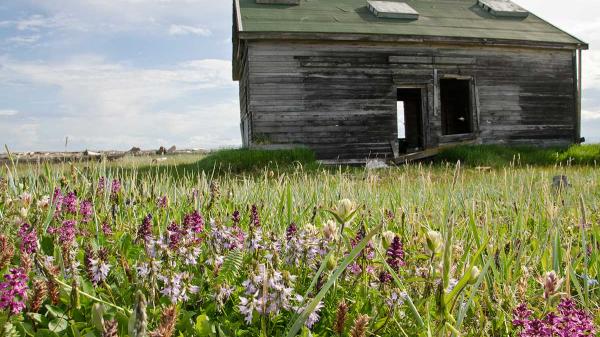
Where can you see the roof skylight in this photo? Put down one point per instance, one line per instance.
(503, 8)
(392, 9)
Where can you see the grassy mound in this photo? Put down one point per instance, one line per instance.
(498, 155)
(238, 161)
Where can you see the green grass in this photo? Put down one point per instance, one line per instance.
(239, 161)
(498, 155)
(510, 223)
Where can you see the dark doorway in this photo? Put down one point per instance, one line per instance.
(456, 106)
(410, 131)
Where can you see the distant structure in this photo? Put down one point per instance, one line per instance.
(356, 79)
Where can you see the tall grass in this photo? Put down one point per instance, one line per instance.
(509, 222)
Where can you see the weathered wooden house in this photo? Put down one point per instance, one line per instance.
(356, 79)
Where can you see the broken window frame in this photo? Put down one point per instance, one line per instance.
(474, 107)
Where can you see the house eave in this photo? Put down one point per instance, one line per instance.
(389, 38)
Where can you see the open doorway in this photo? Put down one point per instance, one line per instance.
(455, 97)
(409, 112)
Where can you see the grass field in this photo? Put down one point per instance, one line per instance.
(246, 244)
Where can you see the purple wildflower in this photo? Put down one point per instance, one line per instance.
(70, 202)
(101, 185)
(145, 230)
(521, 315)
(235, 217)
(194, 222)
(291, 231)
(177, 287)
(28, 234)
(162, 202)
(57, 199)
(115, 187)
(66, 232)
(254, 218)
(385, 277)
(13, 291)
(395, 254)
(86, 210)
(175, 235)
(568, 321)
(106, 229)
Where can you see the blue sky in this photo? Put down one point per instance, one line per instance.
(112, 74)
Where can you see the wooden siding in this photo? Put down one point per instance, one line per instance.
(340, 98)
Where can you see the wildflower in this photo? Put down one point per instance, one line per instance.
(40, 293)
(304, 246)
(268, 292)
(111, 328)
(313, 316)
(176, 287)
(13, 291)
(224, 291)
(99, 268)
(254, 218)
(235, 217)
(387, 238)
(70, 202)
(86, 210)
(106, 229)
(115, 188)
(368, 252)
(452, 283)
(340, 318)
(435, 242)
(330, 230)
(43, 202)
(51, 284)
(162, 202)
(194, 222)
(66, 232)
(145, 230)
(291, 231)
(29, 243)
(26, 199)
(396, 298)
(360, 326)
(551, 283)
(166, 328)
(247, 308)
(101, 186)
(57, 199)
(566, 321)
(395, 254)
(146, 269)
(346, 209)
(6, 251)
(355, 268)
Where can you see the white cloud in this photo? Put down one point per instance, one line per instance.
(92, 86)
(23, 40)
(590, 115)
(188, 30)
(8, 112)
(111, 105)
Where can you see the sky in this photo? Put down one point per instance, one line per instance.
(113, 74)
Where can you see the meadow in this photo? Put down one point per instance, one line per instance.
(227, 246)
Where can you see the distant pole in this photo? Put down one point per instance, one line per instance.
(66, 142)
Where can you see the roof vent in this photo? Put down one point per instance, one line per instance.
(279, 2)
(392, 9)
(503, 8)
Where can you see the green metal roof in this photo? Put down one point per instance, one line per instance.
(437, 18)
